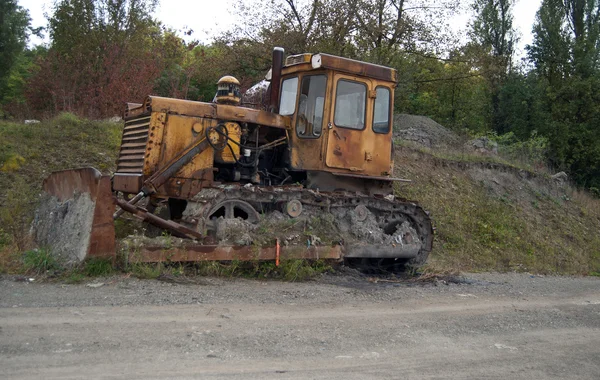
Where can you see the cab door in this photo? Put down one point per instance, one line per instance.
(355, 142)
(309, 120)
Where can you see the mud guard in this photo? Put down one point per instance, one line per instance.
(75, 216)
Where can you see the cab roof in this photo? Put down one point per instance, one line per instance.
(307, 62)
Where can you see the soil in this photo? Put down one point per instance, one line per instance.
(341, 326)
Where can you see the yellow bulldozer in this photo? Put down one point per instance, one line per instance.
(318, 142)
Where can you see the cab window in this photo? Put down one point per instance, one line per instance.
(309, 121)
(287, 103)
(350, 104)
(381, 111)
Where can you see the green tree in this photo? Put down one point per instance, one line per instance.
(14, 32)
(564, 53)
(492, 31)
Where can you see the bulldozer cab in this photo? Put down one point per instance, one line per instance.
(341, 113)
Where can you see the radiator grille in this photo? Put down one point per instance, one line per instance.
(133, 145)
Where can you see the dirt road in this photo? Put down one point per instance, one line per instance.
(488, 326)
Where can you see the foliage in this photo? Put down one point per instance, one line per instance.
(14, 32)
(565, 55)
(532, 150)
(102, 55)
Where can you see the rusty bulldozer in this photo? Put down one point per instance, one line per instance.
(319, 144)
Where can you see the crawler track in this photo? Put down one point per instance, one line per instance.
(374, 231)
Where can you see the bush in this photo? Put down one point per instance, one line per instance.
(533, 151)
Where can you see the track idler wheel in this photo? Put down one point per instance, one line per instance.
(293, 208)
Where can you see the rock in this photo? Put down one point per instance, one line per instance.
(114, 119)
(560, 178)
(32, 121)
(483, 145)
(95, 285)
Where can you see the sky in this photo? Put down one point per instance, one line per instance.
(208, 18)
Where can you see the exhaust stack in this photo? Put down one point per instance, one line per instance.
(277, 65)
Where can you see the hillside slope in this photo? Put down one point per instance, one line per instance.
(489, 214)
(29, 152)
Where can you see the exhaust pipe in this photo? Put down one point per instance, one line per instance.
(276, 67)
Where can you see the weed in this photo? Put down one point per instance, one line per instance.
(40, 261)
(98, 267)
(74, 277)
(67, 119)
(146, 271)
(288, 270)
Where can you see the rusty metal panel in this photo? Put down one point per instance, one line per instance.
(152, 154)
(196, 252)
(186, 188)
(249, 115)
(127, 183)
(352, 66)
(307, 62)
(179, 134)
(66, 183)
(360, 151)
(218, 111)
(62, 184)
(307, 153)
(102, 236)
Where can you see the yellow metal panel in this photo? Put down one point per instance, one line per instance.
(307, 153)
(154, 144)
(361, 151)
(235, 133)
(180, 133)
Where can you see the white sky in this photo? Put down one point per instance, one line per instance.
(210, 17)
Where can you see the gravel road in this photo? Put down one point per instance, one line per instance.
(484, 326)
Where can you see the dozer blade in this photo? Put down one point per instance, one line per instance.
(74, 219)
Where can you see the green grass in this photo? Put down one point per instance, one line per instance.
(28, 153)
(479, 229)
(288, 270)
(465, 156)
(97, 267)
(40, 261)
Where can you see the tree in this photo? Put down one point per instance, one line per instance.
(565, 56)
(103, 53)
(550, 48)
(14, 32)
(492, 31)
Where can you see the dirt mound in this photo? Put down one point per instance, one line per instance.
(424, 131)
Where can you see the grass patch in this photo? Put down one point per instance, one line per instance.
(146, 271)
(74, 277)
(97, 267)
(40, 261)
(288, 270)
(507, 228)
(29, 152)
